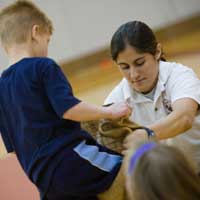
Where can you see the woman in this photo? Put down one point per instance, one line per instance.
(164, 95)
(157, 171)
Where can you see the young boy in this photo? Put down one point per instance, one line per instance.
(39, 116)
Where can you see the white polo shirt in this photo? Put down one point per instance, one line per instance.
(175, 81)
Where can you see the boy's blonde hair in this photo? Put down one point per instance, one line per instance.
(17, 20)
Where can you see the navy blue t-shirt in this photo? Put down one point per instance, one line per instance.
(34, 94)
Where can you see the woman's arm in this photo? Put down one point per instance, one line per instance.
(183, 87)
(178, 121)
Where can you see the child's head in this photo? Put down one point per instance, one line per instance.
(22, 22)
(161, 172)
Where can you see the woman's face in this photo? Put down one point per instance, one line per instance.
(140, 69)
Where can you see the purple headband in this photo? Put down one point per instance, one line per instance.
(139, 152)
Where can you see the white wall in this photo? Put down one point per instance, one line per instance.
(82, 27)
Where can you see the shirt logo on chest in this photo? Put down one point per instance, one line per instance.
(167, 105)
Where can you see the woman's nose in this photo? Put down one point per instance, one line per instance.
(134, 74)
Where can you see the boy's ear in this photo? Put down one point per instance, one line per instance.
(35, 32)
(158, 51)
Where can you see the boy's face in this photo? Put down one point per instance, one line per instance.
(41, 44)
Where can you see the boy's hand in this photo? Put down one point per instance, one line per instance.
(118, 110)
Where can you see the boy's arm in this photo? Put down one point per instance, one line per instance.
(67, 106)
(86, 112)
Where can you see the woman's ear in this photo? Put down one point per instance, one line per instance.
(35, 32)
(158, 51)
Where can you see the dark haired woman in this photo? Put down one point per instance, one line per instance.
(165, 96)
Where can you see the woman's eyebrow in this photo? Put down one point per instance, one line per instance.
(138, 59)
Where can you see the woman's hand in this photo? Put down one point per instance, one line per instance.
(131, 143)
(133, 140)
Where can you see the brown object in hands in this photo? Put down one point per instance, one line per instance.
(110, 133)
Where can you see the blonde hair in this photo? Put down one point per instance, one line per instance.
(17, 20)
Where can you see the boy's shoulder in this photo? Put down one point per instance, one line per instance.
(40, 66)
(42, 60)
(30, 65)
(37, 63)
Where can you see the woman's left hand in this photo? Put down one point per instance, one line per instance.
(133, 139)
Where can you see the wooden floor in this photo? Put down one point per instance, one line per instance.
(14, 185)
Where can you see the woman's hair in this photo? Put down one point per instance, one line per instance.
(164, 172)
(136, 34)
